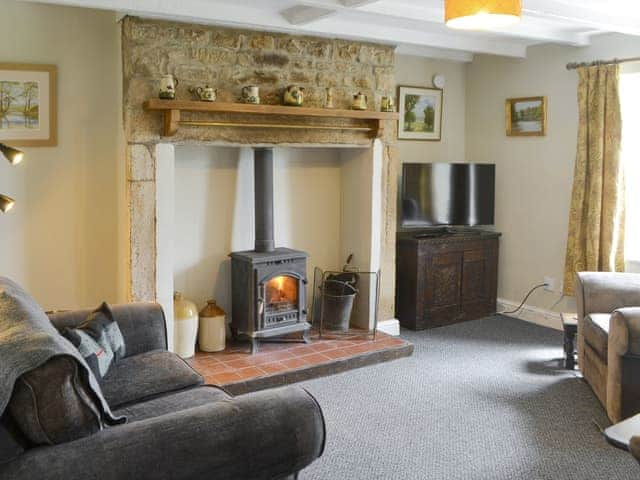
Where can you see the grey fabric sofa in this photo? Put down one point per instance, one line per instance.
(609, 339)
(178, 428)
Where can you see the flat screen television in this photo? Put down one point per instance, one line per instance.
(456, 194)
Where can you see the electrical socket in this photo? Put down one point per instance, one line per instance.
(550, 284)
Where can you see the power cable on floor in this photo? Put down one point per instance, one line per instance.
(524, 301)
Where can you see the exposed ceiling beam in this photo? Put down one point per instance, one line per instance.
(357, 3)
(415, 16)
(610, 19)
(238, 14)
(302, 15)
(435, 53)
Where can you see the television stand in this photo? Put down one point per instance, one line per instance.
(446, 278)
(437, 232)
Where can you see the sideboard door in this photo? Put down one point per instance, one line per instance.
(442, 296)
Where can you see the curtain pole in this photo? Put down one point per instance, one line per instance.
(574, 65)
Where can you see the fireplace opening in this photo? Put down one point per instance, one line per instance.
(281, 294)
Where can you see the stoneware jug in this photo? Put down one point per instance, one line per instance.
(251, 94)
(212, 331)
(294, 96)
(168, 84)
(359, 101)
(185, 316)
(205, 94)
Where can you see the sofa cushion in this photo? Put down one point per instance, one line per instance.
(596, 332)
(52, 404)
(98, 339)
(42, 374)
(173, 402)
(11, 440)
(146, 375)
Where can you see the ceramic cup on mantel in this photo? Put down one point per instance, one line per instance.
(387, 104)
(204, 94)
(168, 84)
(293, 96)
(185, 316)
(359, 101)
(251, 94)
(212, 331)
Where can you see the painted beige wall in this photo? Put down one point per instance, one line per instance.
(419, 72)
(61, 241)
(534, 175)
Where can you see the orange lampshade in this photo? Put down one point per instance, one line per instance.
(481, 14)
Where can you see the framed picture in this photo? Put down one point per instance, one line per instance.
(420, 113)
(28, 115)
(526, 117)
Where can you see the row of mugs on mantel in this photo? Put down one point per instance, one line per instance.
(293, 95)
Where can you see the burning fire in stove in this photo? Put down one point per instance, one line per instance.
(282, 294)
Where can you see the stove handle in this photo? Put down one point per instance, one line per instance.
(260, 305)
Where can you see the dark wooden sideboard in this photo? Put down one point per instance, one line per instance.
(446, 279)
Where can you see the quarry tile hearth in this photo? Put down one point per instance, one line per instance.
(276, 364)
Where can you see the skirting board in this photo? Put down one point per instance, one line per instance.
(390, 327)
(539, 316)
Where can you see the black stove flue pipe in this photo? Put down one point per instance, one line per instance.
(263, 184)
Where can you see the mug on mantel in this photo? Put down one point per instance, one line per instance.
(251, 94)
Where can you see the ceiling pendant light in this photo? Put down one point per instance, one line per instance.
(482, 14)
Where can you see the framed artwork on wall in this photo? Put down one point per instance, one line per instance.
(420, 113)
(526, 117)
(28, 113)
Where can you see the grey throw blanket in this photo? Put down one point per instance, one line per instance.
(28, 340)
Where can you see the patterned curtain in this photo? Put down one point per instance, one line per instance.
(596, 221)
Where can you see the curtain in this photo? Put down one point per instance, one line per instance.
(596, 219)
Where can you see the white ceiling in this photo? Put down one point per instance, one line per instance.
(415, 26)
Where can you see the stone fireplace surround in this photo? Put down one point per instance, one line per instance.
(228, 59)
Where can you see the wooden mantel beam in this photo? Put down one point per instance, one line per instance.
(171, 110)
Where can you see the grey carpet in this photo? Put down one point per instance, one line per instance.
(486, 399)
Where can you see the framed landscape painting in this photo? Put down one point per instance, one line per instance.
(420, 113)
(526, 117)
(28, 105)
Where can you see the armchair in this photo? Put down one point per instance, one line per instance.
(609, 339)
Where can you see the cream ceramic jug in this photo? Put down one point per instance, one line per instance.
(185, 316)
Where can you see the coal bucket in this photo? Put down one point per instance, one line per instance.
(337, 304)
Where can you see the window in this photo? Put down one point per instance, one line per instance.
(630, 100)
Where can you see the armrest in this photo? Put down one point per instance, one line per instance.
(623, 364)
(634, 447)
(603, 292)
(143, 325)
(259, 436)
(624, 332)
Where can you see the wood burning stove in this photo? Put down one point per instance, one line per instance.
(268, 284)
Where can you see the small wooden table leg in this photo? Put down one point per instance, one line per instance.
(569, 350)
(570, 328)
